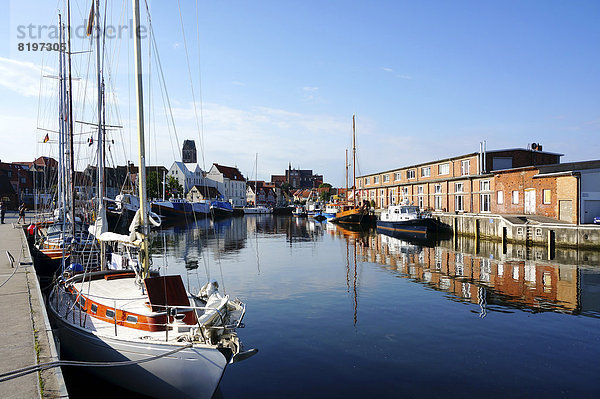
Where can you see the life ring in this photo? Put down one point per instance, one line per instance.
(154, 219)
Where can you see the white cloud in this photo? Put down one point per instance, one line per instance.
(407, 77)
(233, 137)
(21, 77)
(387, 69)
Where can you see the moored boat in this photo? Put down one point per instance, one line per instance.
(255, 210)
(299, 211)
(405, 220)
(179, 207)
(220, 209)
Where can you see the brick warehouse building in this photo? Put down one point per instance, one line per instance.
(509, 181)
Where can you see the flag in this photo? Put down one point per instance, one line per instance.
(90, 24)
(90, 141)
(47, 138)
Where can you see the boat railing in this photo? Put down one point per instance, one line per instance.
(169, 311)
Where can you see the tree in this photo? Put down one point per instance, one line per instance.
(153, 185)
(173, 186)
(325, 196)
(323, 185)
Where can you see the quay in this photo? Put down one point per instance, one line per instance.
(25, 334)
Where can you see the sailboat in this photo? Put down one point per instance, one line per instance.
(351, 214)
(257, 208)
(61, 234)
(145, 331)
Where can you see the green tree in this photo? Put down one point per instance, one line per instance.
(153, 185)
(325, 196)
(323, 185)
(173, 186)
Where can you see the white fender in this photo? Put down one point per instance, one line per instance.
(154, 219)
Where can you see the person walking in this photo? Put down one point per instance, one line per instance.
(2, 211)
(21, 213)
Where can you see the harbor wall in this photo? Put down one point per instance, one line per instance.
(520, 230)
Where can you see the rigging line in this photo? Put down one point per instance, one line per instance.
(201, 132)
(189, 69)
(162, 80)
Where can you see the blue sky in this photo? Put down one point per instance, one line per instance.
(426, 80)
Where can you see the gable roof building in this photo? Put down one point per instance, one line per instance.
(230, 182)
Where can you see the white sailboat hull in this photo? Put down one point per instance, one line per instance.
(190, 373)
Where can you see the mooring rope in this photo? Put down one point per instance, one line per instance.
(44, 366)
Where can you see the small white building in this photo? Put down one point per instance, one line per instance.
(230, 183)
(188, 175)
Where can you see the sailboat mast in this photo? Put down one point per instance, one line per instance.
(141, 145)
(346, 176)
(70, 91)
(101, 193)
(61, 122)
(353, 161)
(61, 133)
(101, 156)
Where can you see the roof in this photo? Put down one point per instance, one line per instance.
(455, 158)
(207, 191)
(232, 173)
(569, 167)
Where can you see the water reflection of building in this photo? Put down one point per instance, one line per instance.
(489, 277)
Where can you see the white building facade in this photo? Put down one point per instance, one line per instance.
(230, 182)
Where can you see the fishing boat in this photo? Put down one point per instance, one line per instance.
(174, 208)
(257, 210)
(313, 209)
(220, 209)
(150, 335)
(331, 210)
(405, 220)
(300, 211)
(353, 214)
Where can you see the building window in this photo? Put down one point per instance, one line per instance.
(420, 190)
(459, 203)
(547, 196)
(484, 185)
(437, 188)
(421, 201)
(367, 181)
(386, 178)
(465, 168)
(359, 183)
(397, 176)
(515, 197)
(500, 199)
(410, 174)
(426, 171)
(485, 203)
(438, 203)
(458, 187)
(375, 179)
(444, 169)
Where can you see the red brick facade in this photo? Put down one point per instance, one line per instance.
(461, 184)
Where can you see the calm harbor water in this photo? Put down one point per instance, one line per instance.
(341, 314)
